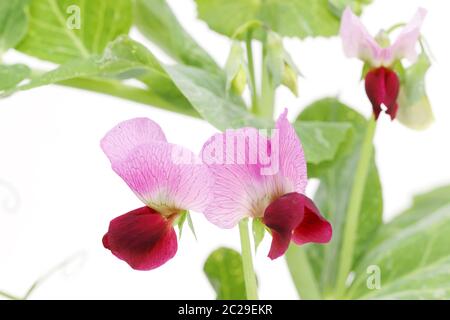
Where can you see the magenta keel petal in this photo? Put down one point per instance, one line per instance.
(282, 216)
(313, 228)
(142, 238)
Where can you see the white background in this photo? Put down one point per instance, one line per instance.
(49, 142)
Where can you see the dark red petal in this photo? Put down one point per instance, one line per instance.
(383, 87)
(142, 238)
(314, 227)
(282, 216)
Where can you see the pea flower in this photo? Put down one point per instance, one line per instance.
(382, 82)
(261, 178)
(167, 178)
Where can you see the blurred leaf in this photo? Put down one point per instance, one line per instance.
(12, 75)
(274, 58)
(414, 106)
(13, 23)
(155, 20)
(54, 37)
(226, 274)
(412, 253)
(333, 194)
(258, 230)
(338, 6)
(291, 18)
(321, 140)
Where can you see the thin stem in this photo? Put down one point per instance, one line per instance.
(251, 70)
(302, 273)
(247, 261)
(266, 105)
(8, 296)
(354, 208)
(117, 89)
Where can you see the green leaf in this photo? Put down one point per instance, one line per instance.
(156, 21)
(226, 274)
(412, 253)
(179, 222)
(13, 23)
(62, 30)
(12, 75)
(122, 59)
(336, 184)
(274, 59)
(321, 140)
(414, 106)
(258, 230)
(298, 18)
(207, 94)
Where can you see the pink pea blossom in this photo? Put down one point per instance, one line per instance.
(382, 82)
(142, 157)
(246, 189)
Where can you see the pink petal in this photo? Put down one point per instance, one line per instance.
(405, 45)
(253, 172)
(166, 177)
(240, 188)
(282, 216)
(129, 134)
(357, 41)
(313, 228)
(292, 158)
(142, 238)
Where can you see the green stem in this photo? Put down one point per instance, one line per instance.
(120, 90)
(266, 105)
(251, 69)
(302, 273)
(354, 208)
(247, 261)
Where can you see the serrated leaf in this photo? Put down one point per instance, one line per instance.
(411, 252)
(333, 194)
(54, 37)
(258, 230)
(13, 23)
(155, 20)
(291, 18)
(225, 274)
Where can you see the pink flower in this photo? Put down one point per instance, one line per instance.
(167, 178)
(382, 82)
(264, 178)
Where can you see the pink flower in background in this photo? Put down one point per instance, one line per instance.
(142, 157)
(382, 83)
(248, 185)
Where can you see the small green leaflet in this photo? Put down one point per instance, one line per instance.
(181, 220)
(226, 274)
(258, 230)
